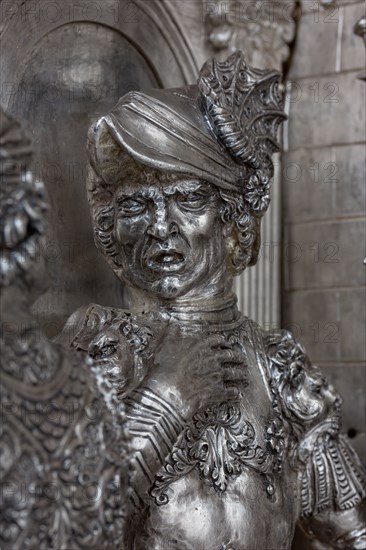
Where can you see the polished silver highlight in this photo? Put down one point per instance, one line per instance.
(235, 434)
(64, 473)
(360, 30)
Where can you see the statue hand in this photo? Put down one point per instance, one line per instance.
(196, 371)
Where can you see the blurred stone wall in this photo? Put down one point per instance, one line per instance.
(324, 202)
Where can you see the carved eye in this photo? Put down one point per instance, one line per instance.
(297, 377)
(192, 201)
(130, 206)
(105, 351)
(317, 386)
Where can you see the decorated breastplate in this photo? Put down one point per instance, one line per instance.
(219, 441)
(219, 444)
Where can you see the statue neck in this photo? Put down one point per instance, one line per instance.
(215, 310)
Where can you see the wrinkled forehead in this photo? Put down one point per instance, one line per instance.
(117, 168)
(167, 185)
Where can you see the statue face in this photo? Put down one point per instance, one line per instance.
(111, 350)
(170, 236)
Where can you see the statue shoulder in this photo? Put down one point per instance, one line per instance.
(307, 399)
(119, 342)
(73, 325)
(330, 473)
(87, 321)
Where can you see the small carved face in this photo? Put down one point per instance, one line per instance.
(111, 350)
(309, 395)
(170, 235)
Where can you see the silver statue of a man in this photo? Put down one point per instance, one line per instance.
(235, 435)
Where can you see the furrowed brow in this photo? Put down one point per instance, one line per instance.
(186, 187)
(143, 193)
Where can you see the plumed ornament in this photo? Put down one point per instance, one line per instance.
(244, 108)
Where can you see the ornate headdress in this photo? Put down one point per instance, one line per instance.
(222, 130)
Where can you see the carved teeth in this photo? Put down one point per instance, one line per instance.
(168, 260)
(167, 257)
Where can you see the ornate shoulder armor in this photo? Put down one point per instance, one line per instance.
(115, 339)
(330, 473)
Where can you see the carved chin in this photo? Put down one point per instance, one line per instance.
(167, 287)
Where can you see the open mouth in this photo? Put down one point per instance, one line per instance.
(166, 260)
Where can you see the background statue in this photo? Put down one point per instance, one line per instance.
(235, 433)
(64, 473)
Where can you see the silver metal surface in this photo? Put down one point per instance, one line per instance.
(235, 434)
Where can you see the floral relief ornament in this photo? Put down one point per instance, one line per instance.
(257, 192)
(219, 443)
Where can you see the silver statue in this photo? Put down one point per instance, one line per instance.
(63, 447)
(235, 435)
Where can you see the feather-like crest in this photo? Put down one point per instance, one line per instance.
(244, 109)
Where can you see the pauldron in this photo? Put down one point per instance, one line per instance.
(330, 473)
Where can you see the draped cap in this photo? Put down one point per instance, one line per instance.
(222, 129)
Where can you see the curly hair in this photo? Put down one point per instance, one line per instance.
(246, 228)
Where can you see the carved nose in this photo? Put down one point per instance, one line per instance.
(162, 229)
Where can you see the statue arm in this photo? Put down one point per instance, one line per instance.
(331, 479)
(332, 489)
(334, 529)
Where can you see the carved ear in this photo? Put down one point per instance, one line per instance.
(238, 254)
